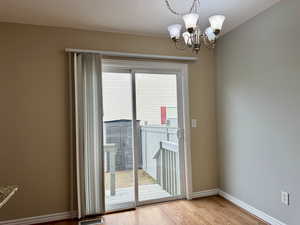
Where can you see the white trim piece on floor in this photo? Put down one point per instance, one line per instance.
(40, 219)
(256, 212)
(206, 193)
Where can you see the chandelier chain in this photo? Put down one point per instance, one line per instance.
(194, 8)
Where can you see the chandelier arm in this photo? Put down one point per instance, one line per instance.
(195, 7)
(209, 44)
(176, 43)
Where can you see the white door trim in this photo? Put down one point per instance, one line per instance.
(187, 132)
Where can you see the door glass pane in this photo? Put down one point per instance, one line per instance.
(156, 101)
(118, 145)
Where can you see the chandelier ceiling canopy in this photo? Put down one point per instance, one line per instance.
(193, 37)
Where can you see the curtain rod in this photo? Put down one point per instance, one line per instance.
(131, 55)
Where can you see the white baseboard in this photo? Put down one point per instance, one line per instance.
(40, 219)
(206, 193)
(70, 215)
(260, 214)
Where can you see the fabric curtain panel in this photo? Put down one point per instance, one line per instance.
(87, 109)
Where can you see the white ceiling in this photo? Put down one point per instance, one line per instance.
(150, 17)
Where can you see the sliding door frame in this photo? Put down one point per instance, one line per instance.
(176, 73)
(181, 72)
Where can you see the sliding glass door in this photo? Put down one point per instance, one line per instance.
(142, 127)
(157, 113)
(118, 141)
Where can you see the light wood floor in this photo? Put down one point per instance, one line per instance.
(204, 211)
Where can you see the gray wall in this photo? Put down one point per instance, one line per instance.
(258, 100)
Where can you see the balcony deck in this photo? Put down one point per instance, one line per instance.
(148, 188)
(125, 179)
(146, 192)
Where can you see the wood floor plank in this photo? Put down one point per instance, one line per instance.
(205, 211)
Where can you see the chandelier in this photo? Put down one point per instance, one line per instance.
(192, 37)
